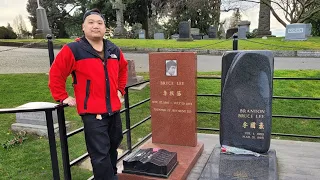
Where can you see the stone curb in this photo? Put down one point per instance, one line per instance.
(285, 53)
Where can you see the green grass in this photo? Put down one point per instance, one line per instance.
(273, 43)
(31, 160)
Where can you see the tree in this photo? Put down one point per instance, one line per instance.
(201, 14)
(138, 11)
(295, 11)
(315, 21)
(6, 33)
(19, 26)
(235, 19)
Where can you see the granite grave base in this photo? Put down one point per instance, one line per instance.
(187, 157)
(229, 166)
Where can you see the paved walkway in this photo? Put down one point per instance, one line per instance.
(296, 160)
(30, 60)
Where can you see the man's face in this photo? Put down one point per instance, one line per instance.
(94, 27)
(172, 70)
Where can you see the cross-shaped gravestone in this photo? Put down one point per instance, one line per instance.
(119, 31)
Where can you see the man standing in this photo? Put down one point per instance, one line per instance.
(99, 71)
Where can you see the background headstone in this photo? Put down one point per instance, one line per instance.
(132, 76)
(205, 37)
(264, 19)
(246, 100)
(42, 23)
(296, 31)
(119, 31)
(242, 32)
(174, 36)
(184, 31)
(142, 34)
(195, 31)
(212, 32)
(158, 36)
(231, 32)
(35, 122)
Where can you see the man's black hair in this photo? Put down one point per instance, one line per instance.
(93, 11)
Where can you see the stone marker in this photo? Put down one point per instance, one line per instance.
(297, 31)
(242, 33)
(243, 28)
(246, 100)
(225, 167)
(184, 31)
(231, 32)
(42, 23)
(158, 36)
(173, 98)
(245, 120)
(119, 31)
(212, 32)
(309, 29)
(173, 90)
(35, 122)
(133, 78)
(151, 161)
(142, 34)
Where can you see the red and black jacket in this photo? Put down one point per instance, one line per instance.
(96, 80)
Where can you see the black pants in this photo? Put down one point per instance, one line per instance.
(103, 137)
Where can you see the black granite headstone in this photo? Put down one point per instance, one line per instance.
(151, 162)
(184, 29)
(230, 32)
(212, 32)
(246, 100)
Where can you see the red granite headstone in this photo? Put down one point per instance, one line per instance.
(173, 98)
(173, 93)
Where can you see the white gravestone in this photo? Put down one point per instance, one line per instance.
(35, 122)
(296, 31)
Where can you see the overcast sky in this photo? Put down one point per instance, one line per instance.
(9, 9)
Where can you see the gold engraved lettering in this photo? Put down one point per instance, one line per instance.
(155, 102)
(245, 124)
(178, 93)
(180, 83)
(256, 111)
(165, 93)
(166, 83)
(245, 116)
(253, 125)
(171, 93)
(261, 125)
(159, 109)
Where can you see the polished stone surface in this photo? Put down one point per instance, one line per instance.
(173, 98)
(246, 101)
(187, 158)
(225, 167)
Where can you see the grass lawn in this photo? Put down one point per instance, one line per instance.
(274, 43)
(31, 160)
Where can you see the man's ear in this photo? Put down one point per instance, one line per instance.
(83, 27)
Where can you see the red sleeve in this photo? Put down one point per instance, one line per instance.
(61, 68)
(123, 73)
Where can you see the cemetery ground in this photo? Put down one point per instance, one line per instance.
(31, 159)
(272, 43)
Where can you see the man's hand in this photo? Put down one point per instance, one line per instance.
(70, 101)
(120, 96)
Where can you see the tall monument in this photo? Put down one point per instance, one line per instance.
(119, 31)
(264, 18)
(42, 23)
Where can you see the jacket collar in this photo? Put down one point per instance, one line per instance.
(85, 45)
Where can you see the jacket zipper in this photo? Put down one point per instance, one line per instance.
(85, 106)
